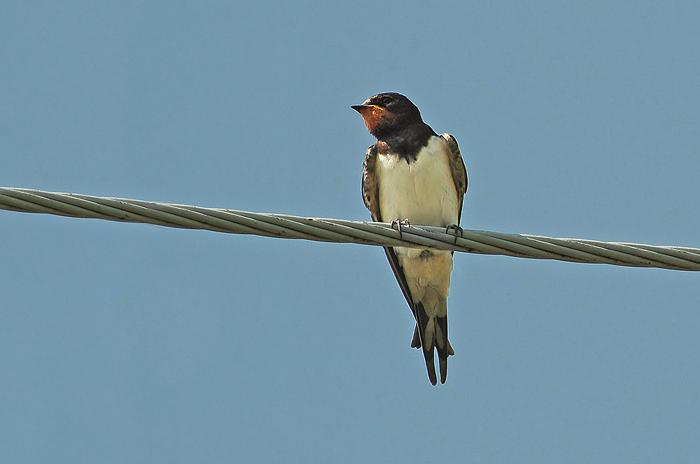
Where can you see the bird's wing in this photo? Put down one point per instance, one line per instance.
(459, 171)
(370, 185)
(370, 195)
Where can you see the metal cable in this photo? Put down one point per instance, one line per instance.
(342, 231)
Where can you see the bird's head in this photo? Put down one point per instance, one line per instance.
(386, 113)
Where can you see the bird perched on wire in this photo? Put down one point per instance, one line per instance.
(412, 175)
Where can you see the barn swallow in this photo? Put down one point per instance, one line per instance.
(411, 175)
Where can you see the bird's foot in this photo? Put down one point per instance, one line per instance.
(398, 224)
(458, 231)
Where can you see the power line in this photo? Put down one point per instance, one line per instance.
(343, 231)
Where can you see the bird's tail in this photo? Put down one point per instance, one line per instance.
(431, 333)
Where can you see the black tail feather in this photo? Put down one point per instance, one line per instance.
(430, 366)
(443, 345)
(422, 320)
(428, 346)
(443, 368)
(415, 341)
(439, 342)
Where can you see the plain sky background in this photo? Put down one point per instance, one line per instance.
(129, 343)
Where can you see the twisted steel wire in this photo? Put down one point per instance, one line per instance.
(343, 231)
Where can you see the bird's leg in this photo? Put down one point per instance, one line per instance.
(398, 224)
(458, 231)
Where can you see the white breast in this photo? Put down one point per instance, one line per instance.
(423, 191)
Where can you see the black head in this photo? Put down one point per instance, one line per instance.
(388, 112)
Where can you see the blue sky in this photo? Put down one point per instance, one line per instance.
(133, 343)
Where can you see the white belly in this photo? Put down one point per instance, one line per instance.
(423, 191)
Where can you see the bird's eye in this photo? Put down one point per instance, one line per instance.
(385, 100)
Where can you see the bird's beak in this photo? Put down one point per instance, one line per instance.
(360, 108)
(365, 107)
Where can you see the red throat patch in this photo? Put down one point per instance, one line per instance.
(373, 115)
